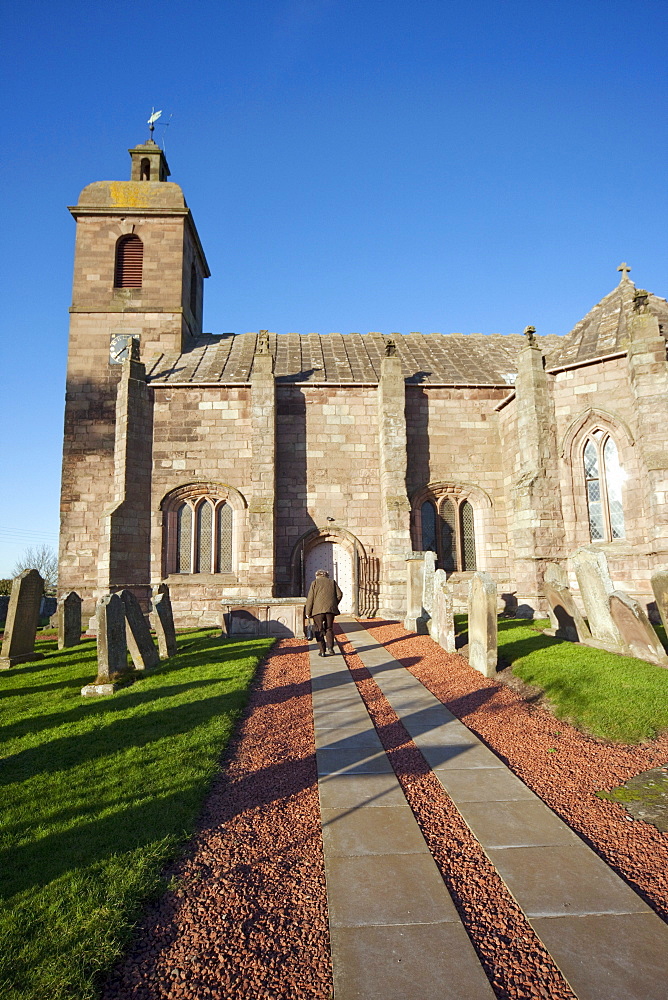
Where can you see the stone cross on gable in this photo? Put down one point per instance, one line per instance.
(624, 268)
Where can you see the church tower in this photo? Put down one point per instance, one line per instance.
(139, 270)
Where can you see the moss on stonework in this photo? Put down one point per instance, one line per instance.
(644, 796)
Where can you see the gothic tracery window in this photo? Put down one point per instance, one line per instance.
(603, 482)
(447, 527)
(204, 537)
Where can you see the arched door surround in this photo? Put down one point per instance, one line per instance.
(338, 542)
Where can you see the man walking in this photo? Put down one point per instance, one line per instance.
(322, 605)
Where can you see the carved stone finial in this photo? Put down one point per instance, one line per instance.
(624, 268)
(390, 348)
(640, 297)
(134, 349)
(530, 334)
(262, 346)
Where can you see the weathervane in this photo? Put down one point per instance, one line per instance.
(151, 122)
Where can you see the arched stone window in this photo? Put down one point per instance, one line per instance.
(604, 477)
(204, 537)
(445, 524)
(129, 262)
(202, 524)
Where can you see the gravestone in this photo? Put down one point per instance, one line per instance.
(18, 645)
(4, 605)
(428, 581)
(660, 588)
(112, 649)
(567, 622)
(591, 569)
(637, 634)
(138, 634)
(68, 614)
(483, 630)
(47, 607)
(416, 620)
(442, 615)
(162, 621)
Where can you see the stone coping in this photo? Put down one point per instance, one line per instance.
(262, 602)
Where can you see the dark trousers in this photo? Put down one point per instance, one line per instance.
(324, 630)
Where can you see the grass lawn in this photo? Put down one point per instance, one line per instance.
(97, 795)
(612, 697)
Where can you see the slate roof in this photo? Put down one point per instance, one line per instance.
(434, 358)
(605, 328)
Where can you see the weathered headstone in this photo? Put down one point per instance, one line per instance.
(416, 620)
(660, 588)
(68, 614)
(47, 607)
(565, 617)
(483, 629)
(18, 645)
(112, 649)
(428, 581)
(162, 621)
(442, 615)
(591, 569)
(140, 643)
(637, 634)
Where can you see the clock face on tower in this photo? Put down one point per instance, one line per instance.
(119, 347)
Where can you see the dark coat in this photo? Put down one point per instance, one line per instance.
(323, 596)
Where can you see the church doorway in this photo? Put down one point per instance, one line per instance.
(338, 561)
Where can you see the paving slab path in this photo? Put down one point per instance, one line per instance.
(395, 932)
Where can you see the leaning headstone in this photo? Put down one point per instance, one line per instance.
(660, 588)
(140, 643)
(162, 621)
(591, 569)
(68, 614)
(18, 645)
(634, 626)
(428, 581)
(416, 620)
(442, 615)
(112, 649)
(565, 617)
(483, 629)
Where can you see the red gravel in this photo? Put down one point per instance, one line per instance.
(562, 765)
(249, 918)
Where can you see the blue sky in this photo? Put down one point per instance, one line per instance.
(351, 165)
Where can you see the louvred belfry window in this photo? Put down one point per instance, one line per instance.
(129, 261)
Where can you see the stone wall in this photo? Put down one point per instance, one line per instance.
(327, 467)
(600, 396)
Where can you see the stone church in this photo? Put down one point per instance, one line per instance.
(232, 466)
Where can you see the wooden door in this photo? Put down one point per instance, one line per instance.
(338, 562)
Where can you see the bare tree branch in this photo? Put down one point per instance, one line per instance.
(45, 561)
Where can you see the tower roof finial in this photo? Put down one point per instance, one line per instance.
(624, 268)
